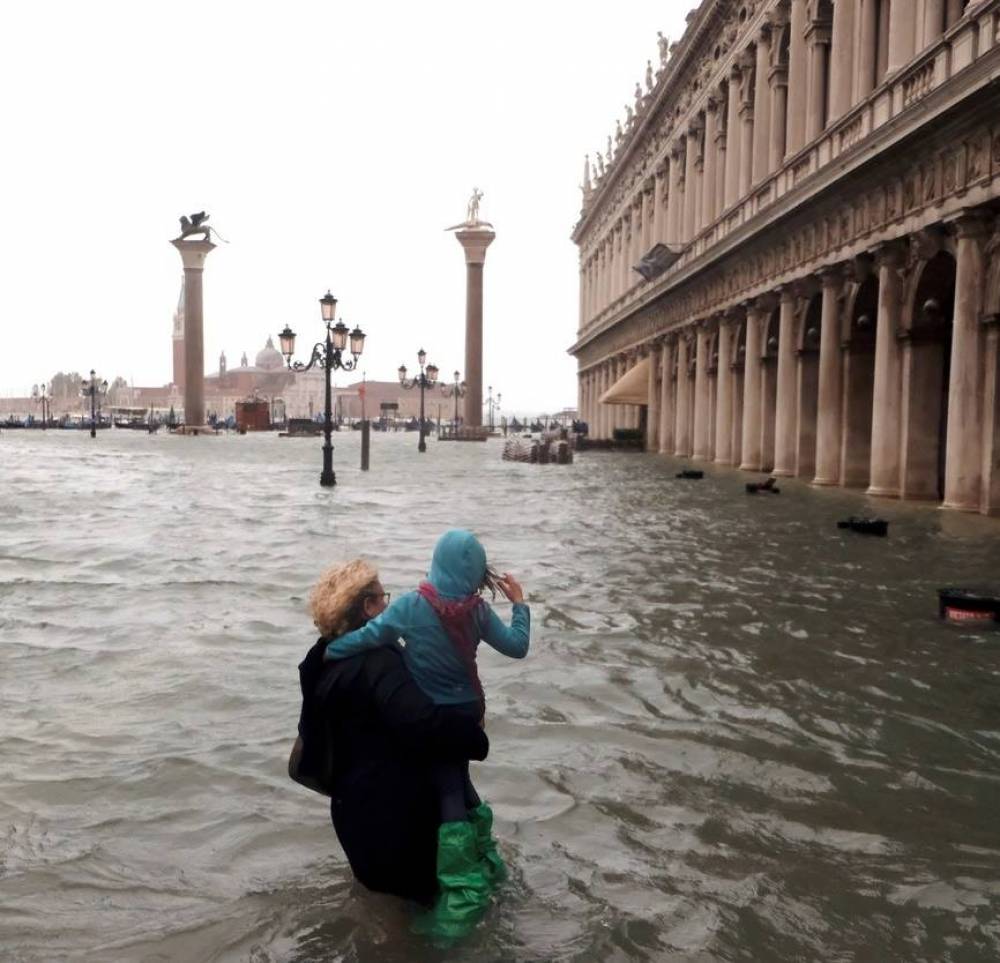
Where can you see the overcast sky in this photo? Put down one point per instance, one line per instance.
(331, 143)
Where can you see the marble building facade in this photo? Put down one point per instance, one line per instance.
(826, 176)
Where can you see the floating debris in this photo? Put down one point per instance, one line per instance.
(969, 605)
(865, 526)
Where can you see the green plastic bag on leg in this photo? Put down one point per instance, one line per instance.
(464, 888)
(482, 820)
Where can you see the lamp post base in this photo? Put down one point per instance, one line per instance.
(328, 479)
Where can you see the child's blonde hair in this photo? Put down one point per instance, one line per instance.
(336, 600)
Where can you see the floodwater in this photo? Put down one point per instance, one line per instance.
(740, 733)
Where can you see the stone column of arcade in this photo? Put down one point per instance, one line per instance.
(682, 436)
(884, 474)
(724, 400)
(784, 434)
(667, 399)
(475, 239)
(193, 254)
(751, 447)
(963, 450)
(701, 405)
(653, 402)
(828, 427)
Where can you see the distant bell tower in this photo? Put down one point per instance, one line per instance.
(178, 378)
(222, 364)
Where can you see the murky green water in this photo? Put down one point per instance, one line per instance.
(741, 734)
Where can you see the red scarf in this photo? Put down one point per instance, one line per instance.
(458, 619)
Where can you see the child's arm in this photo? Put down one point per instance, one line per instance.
(513, 640)
(384, 629)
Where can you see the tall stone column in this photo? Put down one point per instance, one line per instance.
(991, 417)
(701, 399)
(616, 260)
(818, 39)
(474, 239)
(963, 477)
(604, 410)
(746, 136)
(886, 398)
(842, 58)
(673, 235)
(724, 397)
(902, 33)
(660, 189)
(667, 414)
(690, 184)
(778, 80)
(762, 107)
(193, 254)
(933, 25)
(733, 140)
(828, 421)
(798, 80)
(751, 443)
(709, 178)
(597, 406)
(653, 401)
(682, 431)
(785, 407)
(866, 51)
(720, 160)
(623, 246)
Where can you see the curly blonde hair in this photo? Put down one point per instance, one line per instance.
(337, 599)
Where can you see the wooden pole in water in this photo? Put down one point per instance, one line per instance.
(365, 443)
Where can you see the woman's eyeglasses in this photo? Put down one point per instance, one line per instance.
(379, 595)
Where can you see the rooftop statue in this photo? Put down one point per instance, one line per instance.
(629, 116)
(609, 153)
(196, 224)
(472, 215)
(649, 76)
(600, 165)
(619, 136)
(664, 44)
(472, 218)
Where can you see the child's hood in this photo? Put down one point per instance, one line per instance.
(458, 564)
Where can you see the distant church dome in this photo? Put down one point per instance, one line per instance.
(269, 357)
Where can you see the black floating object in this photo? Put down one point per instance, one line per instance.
(865, 526)
(767, 487)
(969, 605)
(690, 473)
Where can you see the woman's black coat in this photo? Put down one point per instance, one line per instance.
(369, 737)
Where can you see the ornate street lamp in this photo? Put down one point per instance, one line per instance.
(43, 398)
(426, 379)
(491, 403)
(328, 355)
(92, 390)
(456, 391)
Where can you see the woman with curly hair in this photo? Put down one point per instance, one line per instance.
(369, 739)
(442, 623)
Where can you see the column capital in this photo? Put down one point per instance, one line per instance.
(789, 292)
(765, 303)
(193, 253)
(831, 276)
(890, 253)
(969, 223)
(777, 16)
(859, 267)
